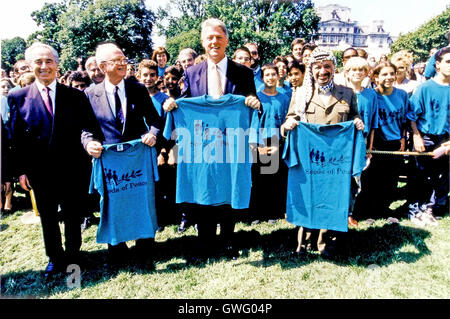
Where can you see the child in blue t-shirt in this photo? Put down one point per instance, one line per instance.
(428, 184)
(383, 172)
(270, 172)
(165, 188)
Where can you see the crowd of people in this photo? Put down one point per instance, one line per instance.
(128, 165)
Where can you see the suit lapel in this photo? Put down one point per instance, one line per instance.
(101, 102)
(229, 86)
(202, 79)
(336, 95)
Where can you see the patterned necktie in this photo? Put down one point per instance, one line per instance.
(48, 101)
(216, 89)
(119, 113)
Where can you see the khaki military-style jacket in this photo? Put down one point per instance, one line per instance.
(342, 107)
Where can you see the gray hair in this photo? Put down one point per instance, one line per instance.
(214, 22)
(36, 45)
(101, 49)
(89, 61)
(188, 51)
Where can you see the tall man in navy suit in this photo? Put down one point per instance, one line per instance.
(47, 121)
(215, 77)
(125, 112)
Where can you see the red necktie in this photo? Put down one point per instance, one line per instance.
(48, 101)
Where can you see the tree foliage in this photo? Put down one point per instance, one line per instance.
(430, 35)
(12, 50)
(75, 27)
(271, 24)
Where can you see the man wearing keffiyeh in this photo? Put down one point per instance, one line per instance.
(319, 100)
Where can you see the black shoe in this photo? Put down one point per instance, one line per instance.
(300, 254)
(146, 262)
(231, 252)
(118, 254)
(328, 254)
(196, 260)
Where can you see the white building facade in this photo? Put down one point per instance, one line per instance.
(337, 31)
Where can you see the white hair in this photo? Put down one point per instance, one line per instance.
(89, 61)
(102, 49)
(29, 57)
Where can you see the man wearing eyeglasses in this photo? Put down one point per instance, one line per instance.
(125, 112)
(256, 67)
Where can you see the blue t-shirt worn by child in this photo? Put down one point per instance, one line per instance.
(392, 111)
(368, 109)
(214, 159)
(125, 176)
(274, 113)
(322, 160)
(430, 105)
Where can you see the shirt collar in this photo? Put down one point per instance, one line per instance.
(222, 65)
(109, 87)
(51, 86)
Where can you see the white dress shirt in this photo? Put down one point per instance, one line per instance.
(110, 88)
(41, 87)
(222, 67)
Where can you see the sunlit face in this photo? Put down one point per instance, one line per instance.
(443, 67)
(186, 60)
(356, 74)
(148, 77)
(4, 88)
(130, 70)
(95, 73)
(243, 58)
(348, 55)
(297, 51)
(171, 81)
(296, 77)
(21, 68)
(386, 77)
(401, 70)
(44, 65)
(323, 72)
(253, 51)
(161, 59)
(282, 69)
(214, 42)
(305, 56)
(115, 66)
(270, 78)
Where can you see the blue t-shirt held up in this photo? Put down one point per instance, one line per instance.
(125, 176)
(214, 159)
(322, 160)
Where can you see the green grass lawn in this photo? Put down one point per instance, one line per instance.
(382, 261)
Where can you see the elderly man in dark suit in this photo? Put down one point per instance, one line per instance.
(217, 76)
(125, 112)
(47, 121)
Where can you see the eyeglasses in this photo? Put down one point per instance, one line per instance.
(254, 52)
(120, 61)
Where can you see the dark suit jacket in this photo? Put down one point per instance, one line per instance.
(141, 116)
(43, 147)
(240, 80)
